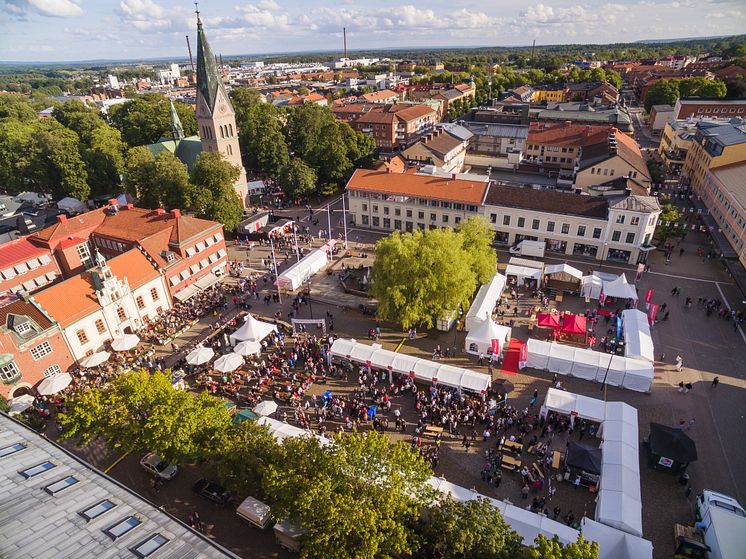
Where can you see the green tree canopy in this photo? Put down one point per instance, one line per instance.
(553, 549)
(670, 220)
(212, 194)
(262, 141)
(357, 499)
(243, 99)
(664, 92)
(419, 277)
(297, 179)
(146, 118)
(139, 411)
(16, 107)
(701, 87)
(160, 182)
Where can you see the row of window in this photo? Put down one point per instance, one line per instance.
(115, 531)
(551, 225)
(121, 315)
(423, 202)
(25, 267)
(115, 246)
(718, 110)
(203, 245)
(550, 148)
(375, 221)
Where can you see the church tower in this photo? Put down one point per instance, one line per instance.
(216, 120)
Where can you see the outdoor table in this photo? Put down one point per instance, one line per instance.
(537, 471)
(556, 457)
(510, 463)
(432, 431)
(513, 446)
(558, 298)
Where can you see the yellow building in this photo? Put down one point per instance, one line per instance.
(541, 95)
(714, 145)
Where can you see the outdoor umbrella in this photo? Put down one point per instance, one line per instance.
(55, 383)
(503, 386)
(244, 415)
(96, 359)
(200, 356)
(265, 407)
(227, 363)
(125, 343)
(21, 404)
(247, 348)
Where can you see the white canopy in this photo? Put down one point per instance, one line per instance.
(523, 272)
(479, 340)
(423, 369)
(247, 348)
(615, 544)
(265, 407)
(638, 375)
(538, 354)
(637, 340)
(561, 359)
(587, 363)
(292, 278)
(200, 355)
(125, 343)
(591, 287)
(620, 289)
(227, 363)
(568, 403)
(253, 330)
(566, 268)
(95, 360)
(54, 384)
(281, 430)
(71, 205)
(20, 404)
(485, 301)
(619, 510)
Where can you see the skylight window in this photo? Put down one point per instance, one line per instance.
(97, 510)
(12, 449)
(121, 528)
(150, 546)
(36, 470)
(58, 486)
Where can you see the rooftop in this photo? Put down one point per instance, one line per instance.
(19, 250)
(409, 184)
(726, 134)
(56, 505)
(136, 224)
(566, 134)
(547, 201)
(19, 307)
(733, 179)
(643, 204)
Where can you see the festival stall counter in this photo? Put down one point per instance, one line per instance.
(563, 278)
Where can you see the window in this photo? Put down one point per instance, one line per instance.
(154, 294)
(376, 221)
(550, 226)
(445, 218)
(365, 220)
(596, 232)
(150, 546)
(535, 224)
(84, 253)
(521, 222)
(397, 224)
(397, 211)
(620, 219)
(58, 486)
(420, 215)
(493, 218)
(387, 223)
(140, 302)
(385, 210)
(121, 314)
(36, 470)
(82, 336)
(630, 238)
(121, 528)
(9, 372)
(41, 350)
(635, 220)
(23, 327)
(97, 510)
(365, 207)
(375, 209)
(12, 449)
(100, 328)
(457, 220)
(616, 235)
(52, 370)
(409, 213)
(581, 231)
(565, 229)
(433, 217)
(506, 220)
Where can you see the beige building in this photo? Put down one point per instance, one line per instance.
(619, 156)
(439, 148)
(714, 145)
(724, 195)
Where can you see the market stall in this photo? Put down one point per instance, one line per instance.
(618, 290)
(485, 301)
(252, 330)
(561, 358)
(636, 331)
(524, 275)
(584, 461)
(563, 277)
(614, 543)
(487, 338)
(537, 354)
(548, 320)
(574, 328)
(302, 271)
(670, 449)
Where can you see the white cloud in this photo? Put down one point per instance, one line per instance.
(268, 5)
(148, 16)
(50, 8)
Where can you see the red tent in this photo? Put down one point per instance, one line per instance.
(547, 320)
(573, 324)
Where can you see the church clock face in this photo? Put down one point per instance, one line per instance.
(222, 108)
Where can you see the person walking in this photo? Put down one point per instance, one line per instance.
(679, 363)
(715, 382)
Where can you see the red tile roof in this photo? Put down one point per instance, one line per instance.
(564, 134)
(69, 227)
(24, 308)
(19, 250)
(136, 224)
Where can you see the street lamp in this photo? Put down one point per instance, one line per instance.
(604, 252)
(308, 295)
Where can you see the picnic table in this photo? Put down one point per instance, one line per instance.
(556, 458)
(513, 446)
(432, 431)
(510, 463)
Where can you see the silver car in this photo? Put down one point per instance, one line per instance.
(153, 464)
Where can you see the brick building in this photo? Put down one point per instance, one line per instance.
(703, 107)
(25, 266)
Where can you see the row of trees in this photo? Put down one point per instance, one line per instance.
(361, 497)
(666, 92)
(422, 276)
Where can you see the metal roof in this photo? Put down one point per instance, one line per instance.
(39, 522)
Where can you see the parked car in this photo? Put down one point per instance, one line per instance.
(213, 491)
(157, 467)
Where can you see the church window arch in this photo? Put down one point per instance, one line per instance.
(230, 127)
(222, 132)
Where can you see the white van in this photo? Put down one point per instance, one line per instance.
(288, 535)
(255, 513)
(724, 525)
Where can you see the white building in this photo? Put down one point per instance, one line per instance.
(113, 81)
(111, 299)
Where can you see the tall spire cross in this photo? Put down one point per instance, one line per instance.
(196, 9)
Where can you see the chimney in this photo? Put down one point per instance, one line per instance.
(62, 218)
(176, 213)
(568, 123)
(453, 176)
(160, 211)
(130, 206)
(112, 202)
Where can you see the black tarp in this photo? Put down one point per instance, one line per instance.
(670, 449)
(586, 458)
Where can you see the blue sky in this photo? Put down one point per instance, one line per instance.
(58, 30)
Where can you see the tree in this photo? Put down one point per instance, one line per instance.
(243, 99)
(701, 87)
(56, 167)
(670, 220)
(139, 411)
(358, 498)
(160, 182)
(16, 107)
(663, 92)
(477, 238)
(419, 277)
(297, 179)
(656, 173)
(212, 194)
(17, 150)
(263, 144)
(146, 118)
(553, 549)
(471, 530)
(104, 159)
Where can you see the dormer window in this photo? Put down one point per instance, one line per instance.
(85, 254)
(23, 328)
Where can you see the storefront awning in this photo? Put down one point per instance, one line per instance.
(206, 281)
(187, 292)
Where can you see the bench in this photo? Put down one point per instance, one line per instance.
(537, 471)
(510, 463)
(556, 458)
(432, 431)
(513, 446)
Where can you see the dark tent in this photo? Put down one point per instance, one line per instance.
(586, 458)
(670, 449)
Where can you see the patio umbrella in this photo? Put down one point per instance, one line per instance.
(244, 415)
(55, 383)
(20, 404)
(95, 360)
(227, 363)
(200, 356)
(125, 343)
(503, 386)
(247, 348)
(265, 407)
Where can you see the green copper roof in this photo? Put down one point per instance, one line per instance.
(176, 129)
(208, 77)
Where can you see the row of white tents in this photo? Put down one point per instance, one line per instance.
(619, 502)
(627, 372)
(638, 342)
(424, 370)
(485, 301)
(599, 284)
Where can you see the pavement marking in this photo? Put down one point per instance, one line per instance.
(740, 330)
(117, 461)
(401, 343)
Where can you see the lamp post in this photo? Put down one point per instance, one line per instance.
(274, 264)
(604, 252)
(308, 295)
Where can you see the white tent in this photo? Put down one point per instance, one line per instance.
(342, 347)
(583, 407)
(479, 340)
(383, 359)
(637, 340)
(615, 544)
(538, 354)
(404, 364)
(587, 363)
(591, 287)
(200, 355)
(638, 376)
(71, 205)
(522, 273)
(485, 301)
(561, 359)
(292, 278)
(612, 373)
(281, 430)
(247, 348)
(426, 370)
(265, 407)
(450, 376)
(619, 510)
(565, 268)
(620, 289)
(252, 330)
(362, 353)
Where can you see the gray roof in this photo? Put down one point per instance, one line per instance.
(643, 204)
(208, 78)
(456, 130)
(727, 134)
(518, 131)
(37, 523)
(661, 108)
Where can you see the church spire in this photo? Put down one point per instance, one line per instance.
(176, 129)
(208, 77)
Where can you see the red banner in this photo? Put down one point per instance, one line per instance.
(495, 347)
(653, 313)
(649, 296)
